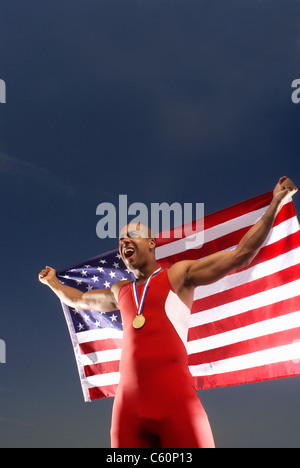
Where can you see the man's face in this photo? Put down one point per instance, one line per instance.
(135, 245)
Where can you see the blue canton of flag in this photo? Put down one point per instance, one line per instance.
(98, 273)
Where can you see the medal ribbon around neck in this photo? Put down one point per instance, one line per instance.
(139, 320)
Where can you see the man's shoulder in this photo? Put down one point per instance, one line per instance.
(115, 288)
(180, 267)
(178, 274)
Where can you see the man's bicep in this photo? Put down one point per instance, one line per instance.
(211, 268)
(101, 300)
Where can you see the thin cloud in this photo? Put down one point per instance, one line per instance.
(15, 167)
(15, 421)
(25, 170)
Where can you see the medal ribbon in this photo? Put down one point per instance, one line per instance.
(140, 305)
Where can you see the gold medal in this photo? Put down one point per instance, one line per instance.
(139, 321)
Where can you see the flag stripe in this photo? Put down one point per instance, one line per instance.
(248, 346)
(104, 380)
(271, 260)
(100, 345)
(98, 335)
(107, 355)
(105, 391)
(256, 374)
(102, 368)
(244, 334)
(247, 290)
(290, 352)
(255, 315)
(270, 296)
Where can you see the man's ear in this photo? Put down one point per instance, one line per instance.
(152, 243)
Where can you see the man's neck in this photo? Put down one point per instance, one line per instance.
(144, 273)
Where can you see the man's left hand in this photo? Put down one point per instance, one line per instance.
(284, 190)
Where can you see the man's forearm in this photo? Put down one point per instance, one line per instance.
(256, 236)
(69, 296)
(102, 300)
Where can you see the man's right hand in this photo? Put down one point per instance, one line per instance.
(102, 300)
(47, 274)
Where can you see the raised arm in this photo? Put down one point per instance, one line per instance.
(189, 274)
(102, 300)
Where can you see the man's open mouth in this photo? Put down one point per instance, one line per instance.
(128, 252)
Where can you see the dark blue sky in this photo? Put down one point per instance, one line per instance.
(162, 100)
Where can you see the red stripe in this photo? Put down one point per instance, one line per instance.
(245, 347)
(287, 212)
(100, 345)
(242, 320)
(249, 289)
(103, 392)
(256, 374)
(102, 368)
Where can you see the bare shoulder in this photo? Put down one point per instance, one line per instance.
(115, 289)
(178, 274)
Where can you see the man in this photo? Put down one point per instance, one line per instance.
(156, 404)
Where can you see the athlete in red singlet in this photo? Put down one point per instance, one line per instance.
(156, 404)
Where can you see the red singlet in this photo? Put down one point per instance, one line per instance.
(156, 405)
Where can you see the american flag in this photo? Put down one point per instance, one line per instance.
(244, 328)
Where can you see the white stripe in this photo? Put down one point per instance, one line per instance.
(261, 270)
(101, 356)
(282, 230)
(102, 380)
(271, 296)
(264, 328)
(248, 361)
(195, 241)
(99, 334)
